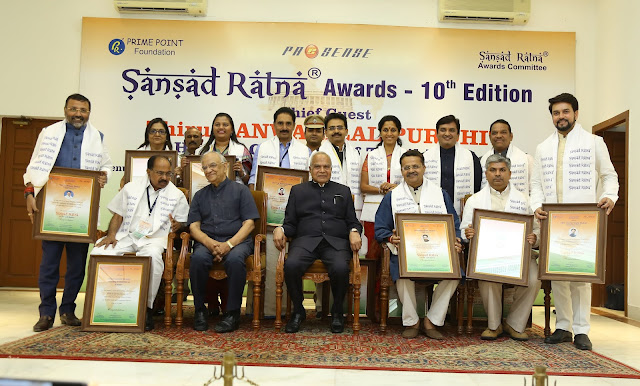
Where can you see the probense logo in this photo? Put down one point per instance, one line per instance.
(312, 51)
(116, 46)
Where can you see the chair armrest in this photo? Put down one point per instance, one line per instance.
(357, 273)
(386, 259)
(259, 243)
(185, 236)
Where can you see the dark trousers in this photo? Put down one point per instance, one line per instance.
(234, 266)
(337, 263)
(50, 275)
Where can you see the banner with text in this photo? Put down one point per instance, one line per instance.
(187, 71)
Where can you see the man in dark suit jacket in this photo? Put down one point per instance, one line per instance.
(321, 219)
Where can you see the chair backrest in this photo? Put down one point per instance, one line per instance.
(260, 198)
(185, 192)
(463, 201)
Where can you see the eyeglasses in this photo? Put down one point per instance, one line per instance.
(161, 174)
(155, 131)
(212, 165)
(411, 167)
(332, 128)
(77, 110)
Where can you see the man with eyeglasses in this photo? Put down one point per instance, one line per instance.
(345, 158)
(71, 143)
(416, 194)
(221, 219)
(144, 211)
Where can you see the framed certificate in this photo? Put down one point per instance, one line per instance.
(117, 291)
(574, 238)
(135, 162)
(499, 250)
(68, 206)
(277, 183)
(194, 178)
(427, 246)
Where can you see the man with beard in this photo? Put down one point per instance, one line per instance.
(144, 212)
(71, 143)
(551, 183)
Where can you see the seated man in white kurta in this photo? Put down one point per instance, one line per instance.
(144, 212)
(501, 195)
(416, 194)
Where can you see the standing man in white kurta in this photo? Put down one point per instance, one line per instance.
(416, 194)
(455, 169)
(281, 151)
(144, 212)
(551, 183)
(501, 194)
(345, 158)
(500, 135)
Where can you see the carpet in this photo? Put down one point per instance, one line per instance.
(314, 346)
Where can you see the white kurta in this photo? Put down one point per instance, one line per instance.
(463, 172)
(515, 202)
(94, 153)
(131, 203)
(377, 164)
(431, 201)
(521, 168)
(586, 167)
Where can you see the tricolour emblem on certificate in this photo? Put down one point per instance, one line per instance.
(277, 183)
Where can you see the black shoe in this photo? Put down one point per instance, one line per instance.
(70, 319)
(293, 325)
(558, 336)
(148, 323)
(174, 298)
(337, 323)
(582, 342)
(319, 315)
(158, 311)
(230, 322)
(200, 321)
(44, 323)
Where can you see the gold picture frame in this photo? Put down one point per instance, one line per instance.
(499, 251)
(135, 162)
(427, 246)
(277, 183)
(68, 206)
(574, 241)
(117, 291)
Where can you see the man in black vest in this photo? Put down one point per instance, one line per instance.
(321, 219)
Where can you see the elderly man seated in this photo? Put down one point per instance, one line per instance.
(321, 219)
(221, 221)
(416, 194)
(501, 195)
(144, 212)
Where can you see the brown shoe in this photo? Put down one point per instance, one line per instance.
(515, 335)
(70, 319)
(490, 334)
(44, 323)
(433, 334)
(410, 332)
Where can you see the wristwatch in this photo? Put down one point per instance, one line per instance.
(355, 230)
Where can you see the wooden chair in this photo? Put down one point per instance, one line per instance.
(318, 273)
(256, 263)
(385, 284)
